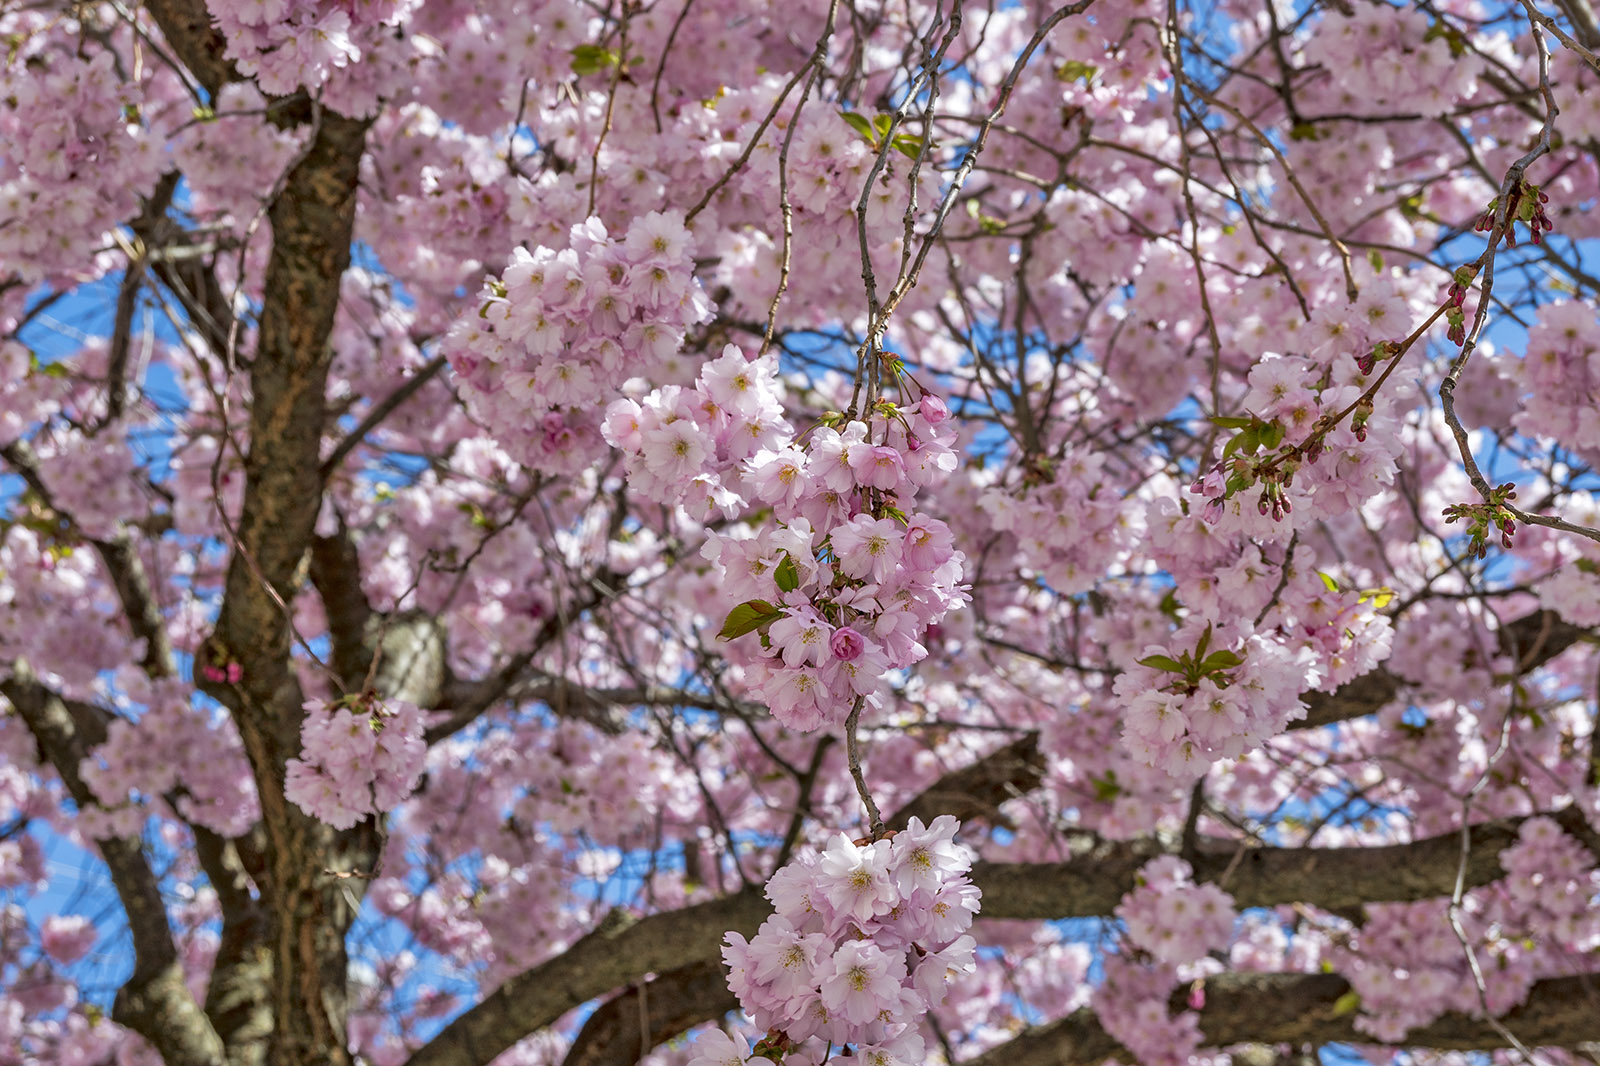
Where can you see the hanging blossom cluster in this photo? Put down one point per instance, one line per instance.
(562, 330)
(843, 586)
(1206, 696)
(687, 446)
(864, 943)
(1172, 925)
(359, 757)
(1289, 465)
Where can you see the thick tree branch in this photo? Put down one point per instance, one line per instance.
(627, 1026)
(409, 646)
(1535, 638)
(154, 1002)
(1303, 1009)
(239, 994)
(312, 221)
(200, 46)
(1090, 885)
(977, 791)
(618, 952)
(1335, 879)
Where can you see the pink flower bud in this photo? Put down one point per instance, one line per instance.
(847, 644)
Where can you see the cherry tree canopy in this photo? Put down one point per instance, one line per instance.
(576, 532)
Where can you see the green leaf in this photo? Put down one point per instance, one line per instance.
(787, 575)
(880, 127)
(1219, 660)
(747, 618)
(1375, 259)
(1247, 441)
(1380, 597)
(1107, 788)
(908, 145)
(1328, 582)
(1271, 435)
(1073, 69)
(1348, 1003)
(592, 59)
(1163, 662)
(1451, 36)
(1232, 422)
(861, 124)
(1205, 642)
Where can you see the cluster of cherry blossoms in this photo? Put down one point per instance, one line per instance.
(1573, 591)
(1207, 695)
(1068, 527)
(74, 165)
(1173, 919)
(173, 740)
(1562, 372)
(864, 942)
(843, 586)
(66, 938)
(40, 575)
(562, 330)
(287, 44)
(1173, 924)
(1383, 58)
(94, 479)
(1409, 965)
(1290, 465)
(359, 757)
(230, 160)
(688, 446)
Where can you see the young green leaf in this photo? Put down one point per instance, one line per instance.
(1219, 660)
(1163, 662)
(592, 59)
(747, 618)
(861, 124)
(787, 575)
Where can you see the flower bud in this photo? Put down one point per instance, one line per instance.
(847, 644)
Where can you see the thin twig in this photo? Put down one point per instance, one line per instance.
(853, 754)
